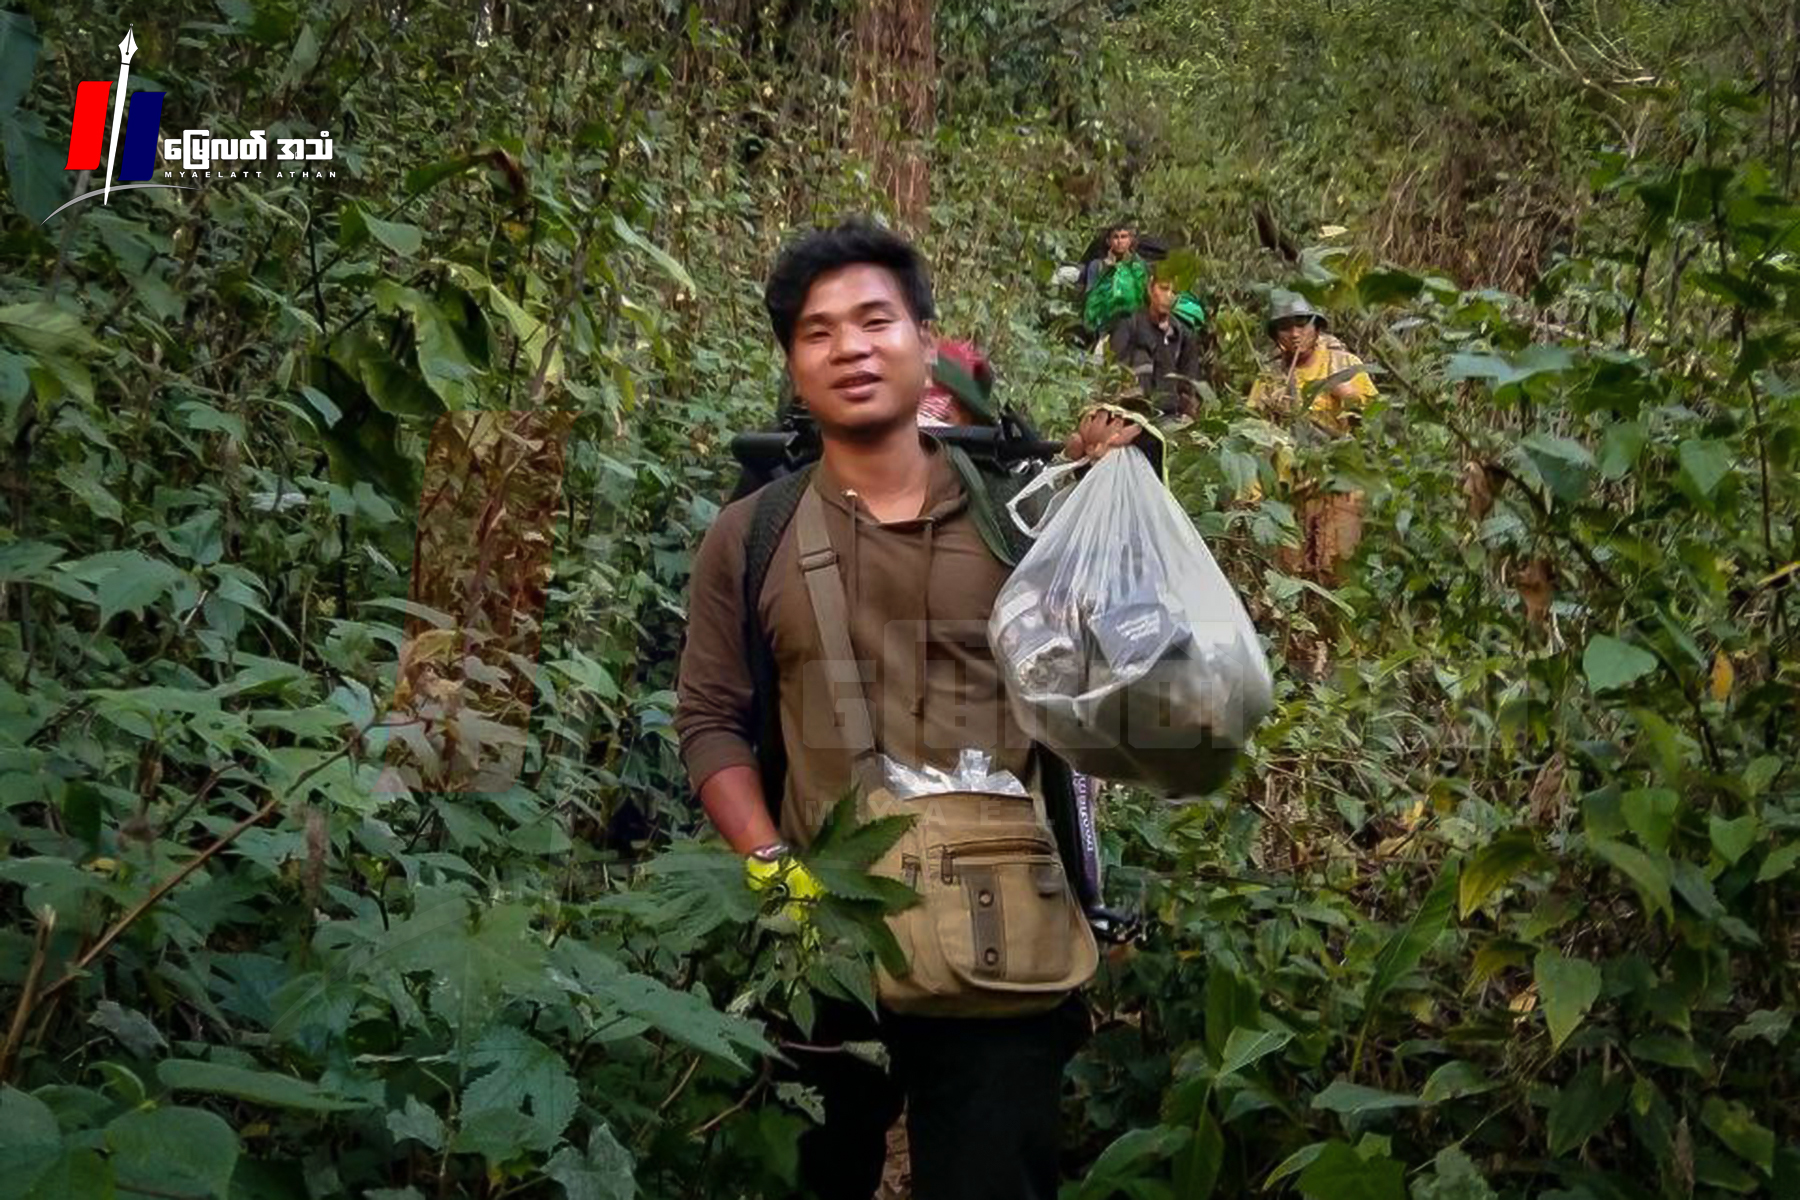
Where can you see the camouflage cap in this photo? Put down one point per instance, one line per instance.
(1284, 304)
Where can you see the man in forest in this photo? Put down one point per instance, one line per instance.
(913, 575)
(1162, 352)
(1314, 384)
(1115, 286)
(1121, 244)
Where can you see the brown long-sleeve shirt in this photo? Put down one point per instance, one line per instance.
(920, 594)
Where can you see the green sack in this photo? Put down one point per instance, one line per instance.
(1189, 311)
(1121, 290)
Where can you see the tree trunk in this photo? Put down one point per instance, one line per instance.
(893, 109)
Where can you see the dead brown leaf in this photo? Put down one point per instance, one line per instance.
(1723, 676)
(1478, 488)
(1536, 586)
(1547, 793)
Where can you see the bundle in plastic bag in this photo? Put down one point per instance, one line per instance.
(974, 772)
(1124, 647)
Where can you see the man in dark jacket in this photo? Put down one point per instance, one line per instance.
(1161, 351)
(852, 308)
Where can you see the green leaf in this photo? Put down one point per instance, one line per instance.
(1295, 1163)
(1650, 815)
(443, 359)
(856, 977)
(1733, 838)
(1197, 1164)
(1407, 946)
(1584, 1106)
(18, 58)
(497, 1134)
(1494, 866)
(43, 327)
(657, 254)
(259, 1087)
(1346, 1099)
(1389, 285)
(472, 955)
(605, 1172)
(1245, 1046)
(1568, 988)
(136, 581)
(1650, 875)
(304, 58)
(524, 1075)
(1456, 1178)
(688, 1018)
(1501, 371)
(1455, 1080)
(1704, 464)
(15, 385)
(418, 1122)
(77, 1174)
(1671, 1050)
(1129, 1156)
(87, 483)
(132, 1028)
(1620, 449)
(1692, 885)
(1769, 1024)
(1565, 465)
(1779, 862)
(1610, 663)
(403, 239)
(33, 166)
(1340, 1173)
(187, 1150)
(843, 852)
(1733, 1123)
(30, 1142)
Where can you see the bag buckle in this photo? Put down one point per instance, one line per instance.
(1115, 927)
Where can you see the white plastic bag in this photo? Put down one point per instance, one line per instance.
(974, 773)
(1124, 647)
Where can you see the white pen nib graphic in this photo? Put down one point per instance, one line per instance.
(127, 48)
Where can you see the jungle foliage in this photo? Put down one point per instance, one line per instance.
(1503, 902)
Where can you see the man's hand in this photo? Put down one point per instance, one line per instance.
(1100, 432)
(787, 875)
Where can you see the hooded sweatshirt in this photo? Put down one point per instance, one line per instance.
(920, 592)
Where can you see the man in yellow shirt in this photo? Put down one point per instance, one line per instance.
(1312, 375)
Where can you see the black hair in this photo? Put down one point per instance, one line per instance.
(858, 240)
(1119, 224)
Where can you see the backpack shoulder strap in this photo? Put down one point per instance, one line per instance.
(769, 518)
(988, 493)
(771, 512)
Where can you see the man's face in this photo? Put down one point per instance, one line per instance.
(1120, 242)
(859, 359)
(1296, 337)
(1162, 298)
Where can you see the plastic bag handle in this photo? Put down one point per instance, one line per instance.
(1046, 478)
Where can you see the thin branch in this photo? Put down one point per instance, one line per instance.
(738, 1105)
(22, 1012)
(174, 881)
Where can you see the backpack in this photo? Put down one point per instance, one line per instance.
(1069, 799)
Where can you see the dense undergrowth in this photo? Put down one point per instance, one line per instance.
(1502, 903)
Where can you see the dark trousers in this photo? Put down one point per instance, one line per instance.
(982, 1099)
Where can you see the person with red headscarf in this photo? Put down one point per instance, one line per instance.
(961, 390)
